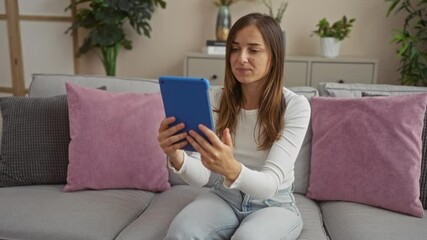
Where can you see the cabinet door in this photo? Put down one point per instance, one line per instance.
(296, 73)
(342, 72)
(210, 68)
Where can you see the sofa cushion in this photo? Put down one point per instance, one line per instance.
(358, 148)
(312, 219)
(46, 212)
(114, 140)
(346, 220)
(35, 141)
(154, 222)
(356, 89)
(302, 163)
(47, 85)
(423, 178)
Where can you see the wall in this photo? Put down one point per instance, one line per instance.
(185, 25)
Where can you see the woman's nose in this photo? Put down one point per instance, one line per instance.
(243, 56)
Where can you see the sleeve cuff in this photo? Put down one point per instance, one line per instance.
(171, 166)
(236, 183)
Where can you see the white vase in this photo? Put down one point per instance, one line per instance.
(330, 47)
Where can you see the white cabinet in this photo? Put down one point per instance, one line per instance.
(299, 70)
(206, 67)
(344, 70)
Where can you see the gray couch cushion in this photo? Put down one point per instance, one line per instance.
(154, 222)
(356, 89)
(45, 212)
(47, 85)
(302, 164)
(346, 220)
(312, 219)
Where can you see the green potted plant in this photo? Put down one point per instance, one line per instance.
(412, 40)
(332, 35)
(105, 19)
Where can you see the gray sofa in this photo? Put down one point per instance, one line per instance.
(46, 212)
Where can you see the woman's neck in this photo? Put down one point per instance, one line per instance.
(251, 96)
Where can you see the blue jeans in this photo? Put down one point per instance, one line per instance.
(231, 214)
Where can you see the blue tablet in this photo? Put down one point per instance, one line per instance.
(187, 99)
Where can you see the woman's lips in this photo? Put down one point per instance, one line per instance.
(243, 70)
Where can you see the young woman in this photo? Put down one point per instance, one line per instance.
(260, 126)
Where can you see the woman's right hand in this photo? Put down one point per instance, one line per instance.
(171, 142)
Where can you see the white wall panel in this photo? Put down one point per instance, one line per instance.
(43, 7)
(46, 49)
(5, 67)
(2, 7)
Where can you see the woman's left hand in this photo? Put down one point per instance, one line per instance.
(216, 155)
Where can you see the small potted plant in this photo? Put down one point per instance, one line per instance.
(331, 36)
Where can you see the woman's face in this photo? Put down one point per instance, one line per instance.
(249, 56)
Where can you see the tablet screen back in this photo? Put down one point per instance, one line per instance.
(187, 99)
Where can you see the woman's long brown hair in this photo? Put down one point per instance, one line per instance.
(271, 105)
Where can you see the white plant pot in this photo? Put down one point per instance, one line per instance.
(330, 47)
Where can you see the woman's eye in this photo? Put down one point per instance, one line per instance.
(234, 49)
(254, 50)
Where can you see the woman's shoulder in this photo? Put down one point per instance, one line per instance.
(293, 99)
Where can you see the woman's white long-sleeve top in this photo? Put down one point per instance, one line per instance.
(263, 172)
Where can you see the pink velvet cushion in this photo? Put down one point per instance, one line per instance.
(368, 150)
(114, 140)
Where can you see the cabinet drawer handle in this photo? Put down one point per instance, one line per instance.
(214, 77)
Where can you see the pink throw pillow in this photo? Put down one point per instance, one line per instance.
(114, 140)
(368, 150)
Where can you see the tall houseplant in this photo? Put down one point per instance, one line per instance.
(278, 15)
(412, 40)
(332, 35)
(105, 19)
(280, 11)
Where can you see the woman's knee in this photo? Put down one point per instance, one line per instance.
(207, 217)
(179, 231)
(270, 223)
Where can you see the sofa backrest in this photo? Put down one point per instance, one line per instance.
(302, 164)
(331, 89)
(47, 85)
